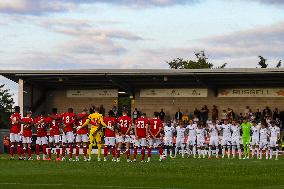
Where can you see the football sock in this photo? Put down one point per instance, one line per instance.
(12, 150)
(19, 150)
(149, 152)
(105, 151)
(77, 150)
(37, 149)
(113, 151)
(118, 153)
(143, 153)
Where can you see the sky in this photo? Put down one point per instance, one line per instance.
(140, 34)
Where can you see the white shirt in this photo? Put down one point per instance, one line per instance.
(263, 134)
(191, 131)
(180, 132)
(274, 131)
(255, 131)
(169, 131)
(226, 130)
(200, 133)
(236, 129)
(213, 130)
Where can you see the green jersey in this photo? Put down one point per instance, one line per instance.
(246, 129)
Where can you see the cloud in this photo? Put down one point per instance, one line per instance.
(269, 2)
(34, 7)
(39, 7)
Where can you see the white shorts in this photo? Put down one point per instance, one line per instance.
(179, 142)
(27, 140)
(236, 141)
(123, 139)
(141, 142)
(68, 137)
(273, 142)
(168, 141)
(82, 138)
(41, 140)
(214, 141)
(53, 139)
(226, 141)
(110, 141)
(263, 144)
(254, 141)
(154, 143)
(191, 142)
(15, 137)
(200, 142)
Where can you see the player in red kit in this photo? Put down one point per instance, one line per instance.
(41, 125)
(110, 121)
(54, 120)
(81, 134)
(68, 119)
(141, 130)
(124, 123)
(27, 134)
(15, 130)
(155, 130)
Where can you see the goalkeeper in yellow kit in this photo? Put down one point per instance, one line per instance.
(97, 123)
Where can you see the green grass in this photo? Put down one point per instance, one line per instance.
(176, 173)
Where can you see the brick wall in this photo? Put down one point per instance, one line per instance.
(170, 105)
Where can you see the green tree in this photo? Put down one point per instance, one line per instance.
(201, 62)
(6, 104)
(262, 62)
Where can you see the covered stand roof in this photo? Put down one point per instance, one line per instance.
(130, 79)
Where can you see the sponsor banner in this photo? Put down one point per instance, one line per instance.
(251, 92)
(92, 93)
(194, 92)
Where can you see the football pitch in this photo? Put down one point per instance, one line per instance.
(176, 174)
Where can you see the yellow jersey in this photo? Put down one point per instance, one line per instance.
(95, 119)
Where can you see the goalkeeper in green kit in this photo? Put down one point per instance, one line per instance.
(246, 137)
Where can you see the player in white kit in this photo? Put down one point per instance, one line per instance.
(180, 139)
(255, 139)
(191, 139)
(226, 140)
(263, 143)
(236, 137)
(200, 140)
(214, 138)
(168, 139)
(274, 137)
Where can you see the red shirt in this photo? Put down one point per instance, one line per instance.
(141, 126)
(54, 125)
(27, 129)
(41, 127)
(80, 122)
(110, 121)
(124, 123)
(16, 127)
(68, 120)
(155, 125)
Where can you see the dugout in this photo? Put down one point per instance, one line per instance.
(149, 90)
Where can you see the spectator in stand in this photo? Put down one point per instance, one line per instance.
(162, 115)
(276, 114)
(102, 110)
(196, 113)
(135, 114)
(185, 117)
(231, 115)
(178, 115)
(241, 116)
(266, 113)
(257, 115)
(204, 114)
(224, 115)
(114, 109)
(215, 113)
(246, 110)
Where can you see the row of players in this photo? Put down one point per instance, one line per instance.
(152, 129)
(258, 138)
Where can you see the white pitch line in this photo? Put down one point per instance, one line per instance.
(76, 185)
